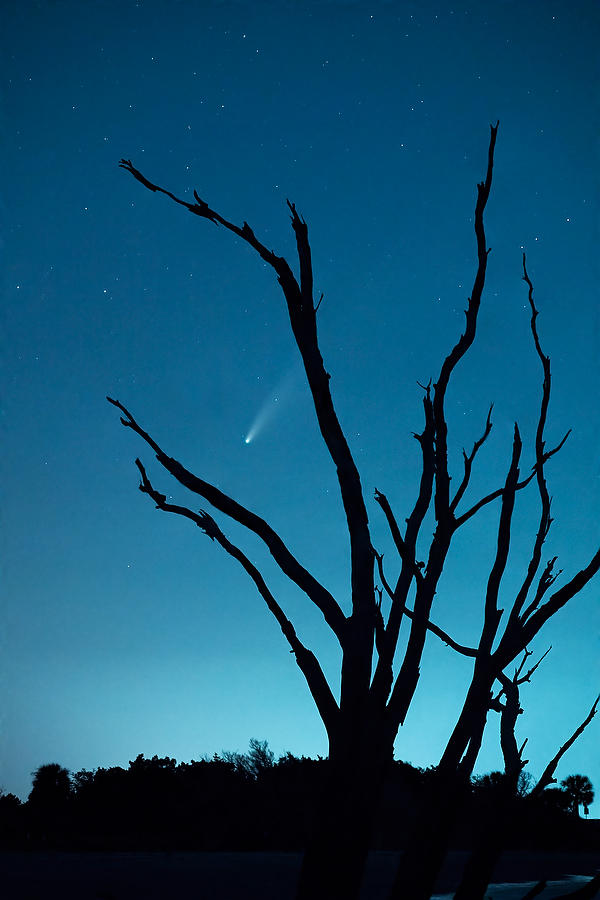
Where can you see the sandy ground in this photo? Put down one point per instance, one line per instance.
(247, 876)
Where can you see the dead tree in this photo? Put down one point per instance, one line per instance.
(497, 648)
(501, 825)
(363, 720)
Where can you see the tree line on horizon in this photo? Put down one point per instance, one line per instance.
(250, 801)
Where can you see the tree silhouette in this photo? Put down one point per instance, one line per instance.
(580, 792)
(376, 690)
(11, 818)
(48, 802)
(51, 787)
(507, 790)
(258, 760)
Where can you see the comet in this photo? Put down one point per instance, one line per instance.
(276, 399)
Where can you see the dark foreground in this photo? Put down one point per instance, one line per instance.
(33, 875)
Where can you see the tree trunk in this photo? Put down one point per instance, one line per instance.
(497, 826)
(334, 862)
(426, 849)
(335, 858)
(480, 868)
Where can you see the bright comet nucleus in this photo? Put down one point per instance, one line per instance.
(282, 393)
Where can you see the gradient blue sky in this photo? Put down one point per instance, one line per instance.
(125, 630)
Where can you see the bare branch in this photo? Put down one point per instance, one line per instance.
(405, 554)
(547, 776)
(465, 740)
(305, 658)
(531, 627)
(517, 678)
(304, 255)
(493, 495)
(526, 654)
(545, 518)
(489, 498)
(282, 556)
(541, 457)
(442, 490)
(468, 461)
(303, 321)
(407, 546)
(492, 613)
(445, 637)
(431, 626)
(547, 579)
(383, 678)
(521, 679)
(384, 581)
(202, 209)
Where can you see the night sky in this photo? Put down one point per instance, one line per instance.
(126, 630)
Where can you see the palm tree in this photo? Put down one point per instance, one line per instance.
(580, 792)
